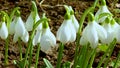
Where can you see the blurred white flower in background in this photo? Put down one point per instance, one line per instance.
(92, 33)
(102, 9)
(20, 31)
(30, 21)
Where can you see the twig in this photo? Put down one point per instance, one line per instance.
(44, 5)
(40, 5)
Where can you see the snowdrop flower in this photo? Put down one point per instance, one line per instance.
(92, 33)
(112, 28)
(20, 31)
(3, 30)
(74, 20)
(32, 18)
(30, 21)
(48, 39)
(102, 9)
(66, 32)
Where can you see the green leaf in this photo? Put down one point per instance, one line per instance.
(48, 64)
(103, 47)
(66, 65)
(19, 63)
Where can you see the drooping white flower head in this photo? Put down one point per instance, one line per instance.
(92, 33)
(3, 31)
(103, 9)
(111, 28)
(20, 31)
(110, 33)
(32, 18)
(67, 31)
(30, 21)
(48, 39)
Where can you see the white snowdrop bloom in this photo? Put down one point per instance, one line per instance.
(74, 20)
(110, 33)
(30, 21)
(20, 30)
(47, 40)
(112, 30)
(116, 29)
(3, 31)
(92, 33)
(66, 32)
(103, 9)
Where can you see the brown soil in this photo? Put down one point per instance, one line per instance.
(56, 14)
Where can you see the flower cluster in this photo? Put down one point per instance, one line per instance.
(95, 33)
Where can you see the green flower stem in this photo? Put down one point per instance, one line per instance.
(92, 58)
(20, 48)
(37, 55)
(111, 44)
(110, 53)
(117, 60)
(78, 35)
(61, 47)
(13, 13)
(81, 56)
(80, 29)
(6, 50)
(30, 40)
(31, 51)
(28, 48)
(87, 57)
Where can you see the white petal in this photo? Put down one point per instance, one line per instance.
(29, 22)
(19, 27)
(3, 31)
(36, 38)
(12, 27)
(73, 32)
(37, 17)
(83, 41)
(47, 41)
(90, 34)
(15, 39)
(110, 34)
(39, 27)
(75, 22)
(118, 36)
(25, 37)
(64, 33)
(101, 31)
